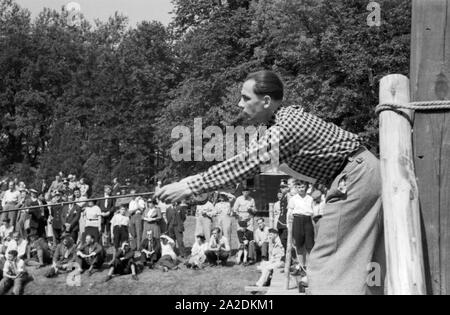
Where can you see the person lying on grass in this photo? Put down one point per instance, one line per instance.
(198, 257)
(123, 263)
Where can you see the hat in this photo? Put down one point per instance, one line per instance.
(274, 231)
(202, 236)
(243, 224)
(34, 191)
(284, 185)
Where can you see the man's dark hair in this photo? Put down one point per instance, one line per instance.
(14, 253)
(267, 83)
(217, 229)
(274, 231)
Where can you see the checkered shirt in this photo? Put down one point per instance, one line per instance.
(306, 143)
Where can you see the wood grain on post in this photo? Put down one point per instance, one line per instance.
(271, 215)
(287, 261)
(405, 268)
(430, 74)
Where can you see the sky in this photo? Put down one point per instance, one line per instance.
(135, 10)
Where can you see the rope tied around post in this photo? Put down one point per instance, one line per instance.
(422, 106)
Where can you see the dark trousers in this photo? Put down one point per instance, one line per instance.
(120, 235)
(94, 262)
(151, 260)
(256, 252)
(303, 233)
(57, 234)
(123, 267)
(213, 257)
(176, 234)
(17, 284)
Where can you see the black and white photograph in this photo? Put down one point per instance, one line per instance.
(235, 150)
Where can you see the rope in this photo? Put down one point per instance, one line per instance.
(422, 106)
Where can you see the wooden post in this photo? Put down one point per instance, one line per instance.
(405, 269)
(271, 215)
(430, 72)
(287, 261)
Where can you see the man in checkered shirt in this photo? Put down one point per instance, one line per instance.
(351, 228)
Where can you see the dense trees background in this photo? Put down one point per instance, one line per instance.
(101, 100)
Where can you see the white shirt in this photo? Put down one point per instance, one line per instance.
(136, 204)
(120, 220)
(21, 248)
(299, 205)
(81, 204)
(6, 232)
(199, 250)
(221, 244)
(261, 236)
(93, 216)
(167, 250)
(13, 268)
(242, 206)
(163, 207)
(207, 208)
(223, 208)
(10, 196)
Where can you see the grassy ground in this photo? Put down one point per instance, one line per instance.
(216, 281)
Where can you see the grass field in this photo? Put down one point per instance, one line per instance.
(214, 281)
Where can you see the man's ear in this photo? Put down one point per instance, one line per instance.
(267, 101)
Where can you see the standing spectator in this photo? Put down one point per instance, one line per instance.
(277, 209)
(84, 187)
(72, 221)
(218, 249)
(168, 260)
(224, 213)
(9, 202)
(282, 220)
(14, 274)
(163, 222)
(204, 216)
(276, 253)
(22, 214)
(116, 187)
(107, 207)
(135, 210)
(245, 237)
(55, 186)
(43, 187)
(150, 250)
(301, 207)
(176, 215)
(73, 183)
(318, 206)
(90, 256)
(119, 227)
(56, 218)
(79, 198)
(93, 225)
(34, 216)
(261, 242)
(123, 263)
(151, 218)
(198, 256)
(244, 208)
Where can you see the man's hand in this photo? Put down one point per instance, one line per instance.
(175, 192)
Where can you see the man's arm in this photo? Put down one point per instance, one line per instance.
(275, 146)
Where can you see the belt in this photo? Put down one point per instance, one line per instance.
(348, 159)
(301, 215)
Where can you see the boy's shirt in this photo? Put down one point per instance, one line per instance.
(14, 268)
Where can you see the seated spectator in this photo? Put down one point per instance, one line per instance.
(150, 250)
(119, 227)
(168, 260)
(63, 258)
(6, 231)
(90, 256)
(38, 252)
(123, 263)
(276, 253)
(218, 248)
(18, 244)
(198, 257)
(260, 246)
(245, 236)
(14, 274)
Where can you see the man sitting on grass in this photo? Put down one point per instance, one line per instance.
(218, 249)
(90, 256)
(276, 253)
(198, 257)
(38, 252)
(14, 274)
(168, 259)
(150, 250)
(63, 258)
(123, 263)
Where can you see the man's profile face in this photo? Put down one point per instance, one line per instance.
(11, 185)
(246, 193)
(272, 236)
(89, 239)
(252, 104)
(261, 224)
